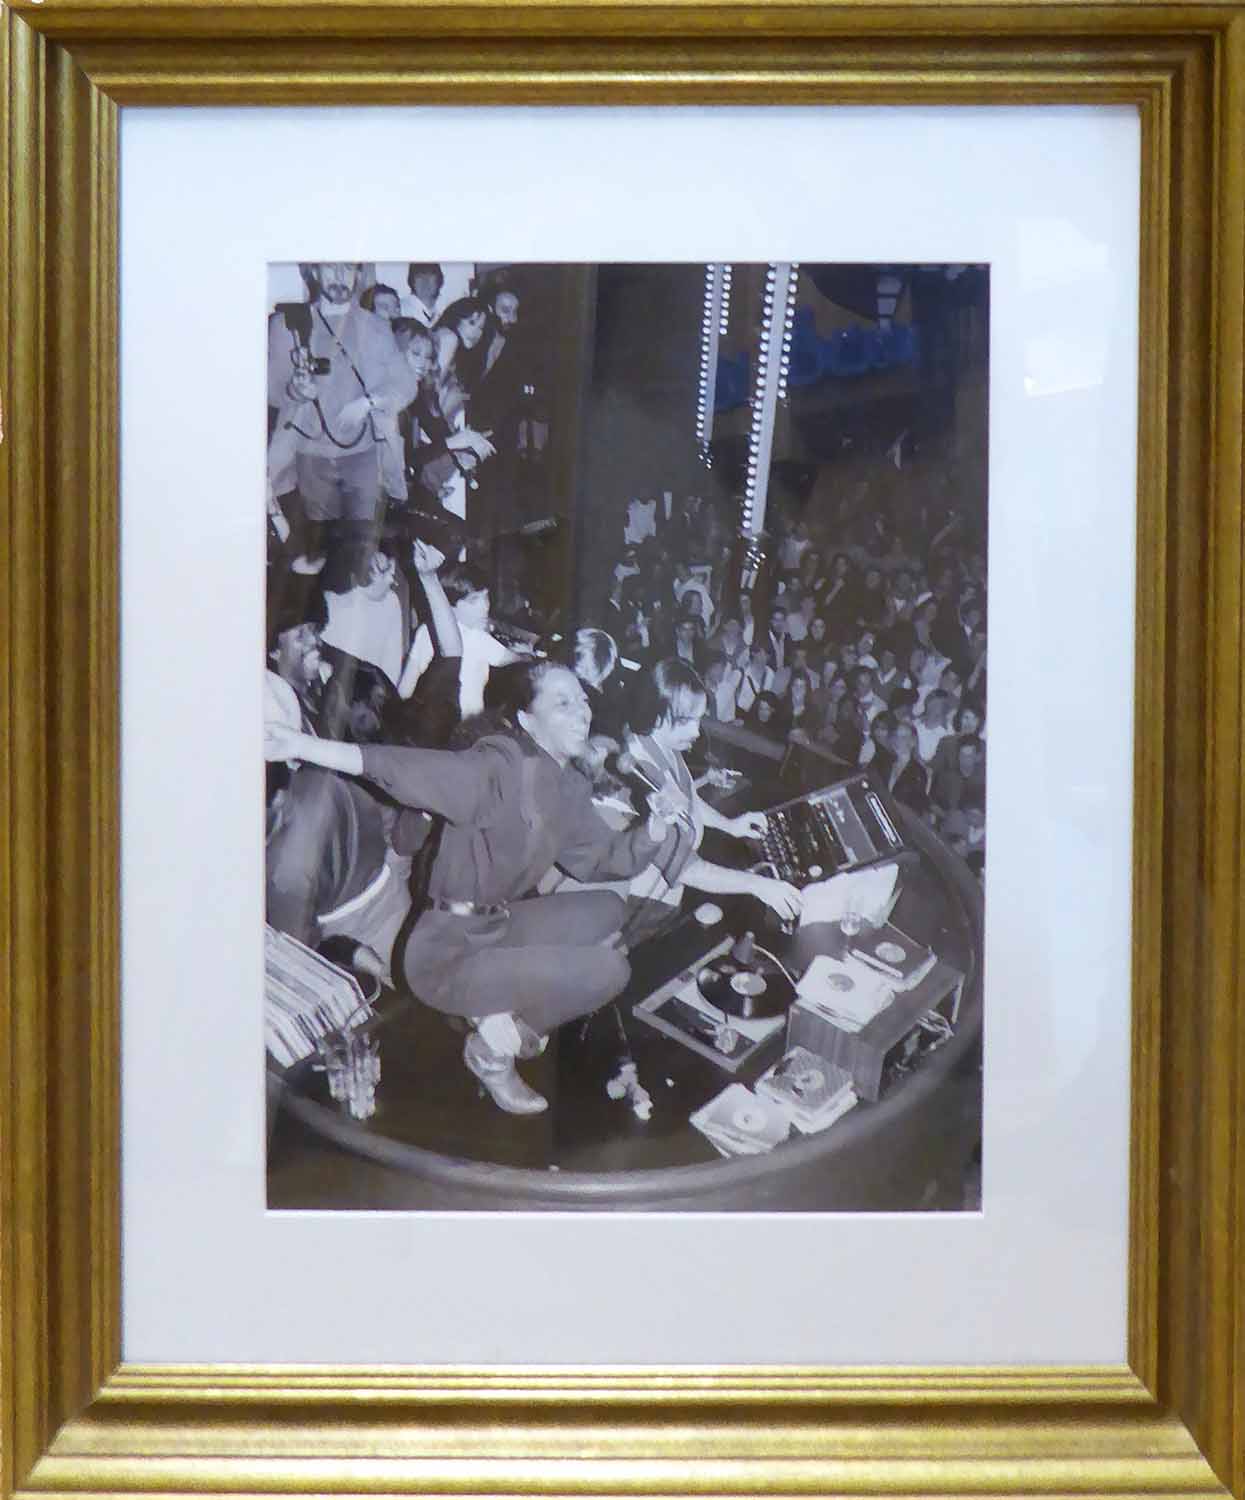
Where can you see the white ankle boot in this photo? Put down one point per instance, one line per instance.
(496, 1071)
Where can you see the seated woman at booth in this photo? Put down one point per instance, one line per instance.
(668, 705)
(513, 805)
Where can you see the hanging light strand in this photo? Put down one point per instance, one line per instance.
(769, 386)
(713, 324)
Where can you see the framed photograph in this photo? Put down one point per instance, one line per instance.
(683, 313)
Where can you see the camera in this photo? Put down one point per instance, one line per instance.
(307, 363)
(297, 317)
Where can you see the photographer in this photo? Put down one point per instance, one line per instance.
(336, 382)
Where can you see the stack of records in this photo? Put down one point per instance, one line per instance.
(845, 991)
(903, 960)
(810, 1091)
(740, 1123)
(306, 998)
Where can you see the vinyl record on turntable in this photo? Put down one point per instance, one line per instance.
(754, 991)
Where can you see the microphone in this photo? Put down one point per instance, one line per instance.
(627, 765)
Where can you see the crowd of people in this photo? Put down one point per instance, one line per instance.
(866, 643)
(429, 772)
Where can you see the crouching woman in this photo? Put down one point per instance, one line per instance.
(514, 805)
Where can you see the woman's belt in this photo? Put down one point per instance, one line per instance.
(468, 908)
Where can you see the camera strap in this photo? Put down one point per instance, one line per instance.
(369, 423)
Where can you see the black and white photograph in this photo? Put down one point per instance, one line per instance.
(625, 726)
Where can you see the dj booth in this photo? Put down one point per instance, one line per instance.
(664, 1099)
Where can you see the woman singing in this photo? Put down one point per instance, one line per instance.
(484, 948)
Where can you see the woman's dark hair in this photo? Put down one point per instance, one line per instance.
(511, 689)
(670, 691)
(883, 726)
(463, 579)
(771, 701)
(457, 312)
(368, 299)
(958, 717)
(417, 268)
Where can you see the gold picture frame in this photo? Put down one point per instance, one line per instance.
(73, 1418)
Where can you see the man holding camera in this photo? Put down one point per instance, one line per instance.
(336, 382)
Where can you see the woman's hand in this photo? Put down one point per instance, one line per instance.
(664, 809)
(282, 743)
(781, 898)
(471, 440)
(748, 825)
(427, 558)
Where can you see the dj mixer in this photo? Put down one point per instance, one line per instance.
(841, 827)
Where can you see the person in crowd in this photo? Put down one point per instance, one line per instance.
(670, 703)
(336, 382)
(467, 589)
(801, 715)
(594, 660)
(747, 621)
(951, 683)
(966, 723)
(368, 615)
(802, 667)
(689, 641)
(297, 670)
(337, 857)
(923, 673)
(498, 383)
(777, 641)
(722, 681)
(800, 611)
(381, 300)
(933, 724)
(767, 716)
(901, 597)
(516, 966)
(829, 689)
(860, 688)
(837, 603)
(879, 740)
(887, 678)
(425, 281)
(964, 829)
(330, 868)
(901, 770)
(439, 455)
(811, 578)
(952, 784)
(793, 546)
(729, 643)
(688, 586)
(903, 705)
(757, 678)
(459, 330)
(865, 644)
(871, 603)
